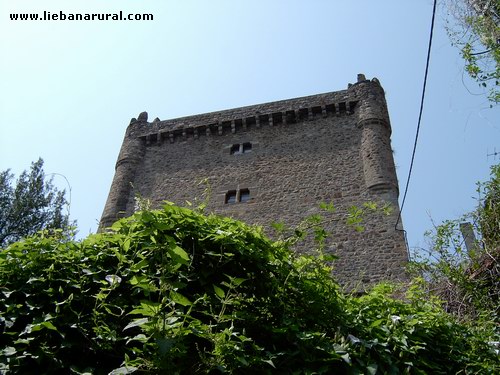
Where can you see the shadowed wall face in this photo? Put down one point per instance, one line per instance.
(276, 162)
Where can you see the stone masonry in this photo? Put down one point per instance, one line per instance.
(276, 162)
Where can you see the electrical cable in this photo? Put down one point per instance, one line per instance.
(418, 125)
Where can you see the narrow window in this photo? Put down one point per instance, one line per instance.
(244, 195)
(235, 196)
(240, 148)
(235, 149)
(230, 196)
(247, 147)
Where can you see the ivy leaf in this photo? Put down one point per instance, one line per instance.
(270, 362)
(376, 323)
(147, 308)
(179, 255)
(372, 369)
(140, 337)
(346, 358)
(163, 226)
(8, 351)
(42, 325)
(220, 293)
(123, 370)
(113, 279)
(126, 245)
(237, 281)
(136, 323)
(179, 298)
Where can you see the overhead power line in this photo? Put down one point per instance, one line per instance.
(419, 118)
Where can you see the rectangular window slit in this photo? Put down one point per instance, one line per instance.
(230, 197)
(244, 195)
(247, 147)
(235, 149)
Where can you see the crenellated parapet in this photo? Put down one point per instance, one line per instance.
(284, 112)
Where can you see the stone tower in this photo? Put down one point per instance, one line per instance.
(276, 162)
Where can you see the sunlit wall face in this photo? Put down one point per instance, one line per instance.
(69, 89)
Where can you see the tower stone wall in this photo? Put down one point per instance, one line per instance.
(276, 162)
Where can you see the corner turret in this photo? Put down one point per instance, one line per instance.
(131, 154)
(376, 152)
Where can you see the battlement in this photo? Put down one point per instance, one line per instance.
(242, 119)
(283, 112)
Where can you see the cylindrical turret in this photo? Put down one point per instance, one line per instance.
(376, 152)
(130, 157)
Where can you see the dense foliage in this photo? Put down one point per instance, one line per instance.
(475, 29)
(33, 204)
(175, 291)
(467, 279)
(488, 213)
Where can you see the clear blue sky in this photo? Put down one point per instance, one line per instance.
(69, 89)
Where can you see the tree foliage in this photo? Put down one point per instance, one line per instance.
(31, 205)
(476, 31)
(488, 213)
(174, 291)
(467, 279)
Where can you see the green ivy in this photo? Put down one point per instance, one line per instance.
(174, 291)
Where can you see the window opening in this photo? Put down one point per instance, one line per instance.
(230, 196)
(244, 195)
(235, 149)
(240, 148)
(246, 147)
(235, 196)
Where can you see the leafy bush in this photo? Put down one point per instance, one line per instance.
(174, 291)
(467, 279)
(413, 335)
(489, 212)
